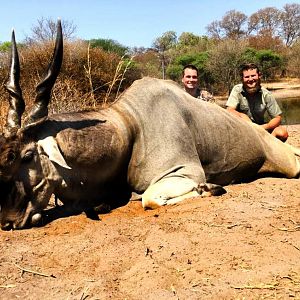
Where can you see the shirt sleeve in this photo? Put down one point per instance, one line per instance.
(233, 99)
(272, 106)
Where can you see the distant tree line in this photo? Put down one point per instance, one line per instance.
(269, 37)
(96, 71)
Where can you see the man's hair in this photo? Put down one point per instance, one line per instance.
(248, 66)
(190, 66)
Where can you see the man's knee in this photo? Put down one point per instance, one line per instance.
(281, 133)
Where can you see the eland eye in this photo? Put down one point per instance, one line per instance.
(28, 156)
(11, 157)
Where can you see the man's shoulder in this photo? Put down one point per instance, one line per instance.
(265, 91)
(235, 96)
(238, 88)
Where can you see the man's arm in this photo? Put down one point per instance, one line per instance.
(272, 124)
(238, 114)
(233, 102)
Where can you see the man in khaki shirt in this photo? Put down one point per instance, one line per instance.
(249, 101)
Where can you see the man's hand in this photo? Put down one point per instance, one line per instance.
(238, 114)
(272, 124)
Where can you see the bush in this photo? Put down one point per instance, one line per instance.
(88, 78)
(174, 70)
(270, 62)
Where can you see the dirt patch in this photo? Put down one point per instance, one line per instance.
(284, 88)
(244, 244)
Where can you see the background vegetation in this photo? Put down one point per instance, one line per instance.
(95, 72)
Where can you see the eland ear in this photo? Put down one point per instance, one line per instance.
(50, 147)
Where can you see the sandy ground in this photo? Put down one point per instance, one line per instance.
(284, 89)
(242, 245)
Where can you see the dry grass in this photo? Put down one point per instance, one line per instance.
(89, 77)
(118, 78)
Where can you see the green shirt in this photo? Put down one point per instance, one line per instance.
(256, 106)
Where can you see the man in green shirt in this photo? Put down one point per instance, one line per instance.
(249, 101)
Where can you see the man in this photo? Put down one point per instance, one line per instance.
(249, 101)
(190, 83)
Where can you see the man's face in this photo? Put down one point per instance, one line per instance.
(251, 80)
(190, 79)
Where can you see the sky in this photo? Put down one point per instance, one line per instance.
(132, 23)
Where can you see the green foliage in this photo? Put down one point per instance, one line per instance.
(174, 70)
(270, 62)
(5, 46)
(187, 39)
(165, 42)
(185, 59)
(163, 45)
(250, 56)
(109, 45)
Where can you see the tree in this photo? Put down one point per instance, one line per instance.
(45, 30)
(5, 46)
(109, 45)
(231, 26)
(189, 43)
(166, 41)
(188, 39)
(174, 70)
(269, 62)
(162, 45)
(264, 21)
(224, 62)
(290, 23)
(214, 30)
(249, 55)
(266, 41)
(233, 23)
(294, 59)
(148, 62)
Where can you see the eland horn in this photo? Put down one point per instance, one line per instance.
(16, 101)
(44, 88)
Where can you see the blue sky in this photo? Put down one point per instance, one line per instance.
(130, 22)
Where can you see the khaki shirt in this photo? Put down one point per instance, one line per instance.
(255, 108)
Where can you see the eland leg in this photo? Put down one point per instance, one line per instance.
(171, 190)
